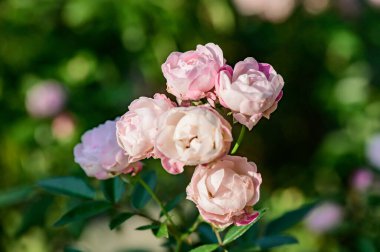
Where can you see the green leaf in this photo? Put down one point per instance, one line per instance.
(365, 244)
(83, 211)
(70, 186)
(140, 197)
(71, 249)
(113, 189)
(162, 231)
(236, 231)
(146, 227)
(288, 220)
(15, 195)
(205, 248)
(119, 219)
(374, 200)
(173, 203)
(35, 214)
(275, 241)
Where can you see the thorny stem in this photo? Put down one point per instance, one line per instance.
(240, 139)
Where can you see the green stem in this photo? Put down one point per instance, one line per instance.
(220, 242)
(195, 225)
(155, 198)
(191, 230)
(240, 139)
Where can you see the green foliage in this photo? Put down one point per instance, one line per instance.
(151, 226)
(140, 197)
(288, 220)
(83, 211)
(15, 195)
(205, 248)
(119, 219)
(35, 214)
(162, 231)
(113, 189)
(69, 186)
(173, 203)
(268, 242)
(71, 249)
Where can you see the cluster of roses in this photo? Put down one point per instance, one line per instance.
(192, 133)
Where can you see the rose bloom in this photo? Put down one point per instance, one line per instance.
(100, 156)
(252, 90)
(225, 191)
(192, 75)
(137, 129)
(191, 136)
(45, 99)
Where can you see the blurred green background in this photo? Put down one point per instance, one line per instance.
(95, 56)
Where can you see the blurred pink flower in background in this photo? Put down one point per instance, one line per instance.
(45, 99)
(373, 151)
(375, 3)
(271, 10)
(349, 8)
(315, 6)
(362, 179)
(63, 126)
(324, 217)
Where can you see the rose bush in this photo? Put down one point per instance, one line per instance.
(224, 188)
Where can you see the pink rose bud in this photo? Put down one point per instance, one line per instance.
(99, 155)
(251, 91)
(324, 217)
(191, 136)
(45, 99)
(192, 75)
(226, 191)
(362, 179)
(137, 129)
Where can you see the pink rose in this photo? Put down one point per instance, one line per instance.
(251, 91)
(137, 129)
(191, 136)
(192, 75)
(225, 191)
(100, 156)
